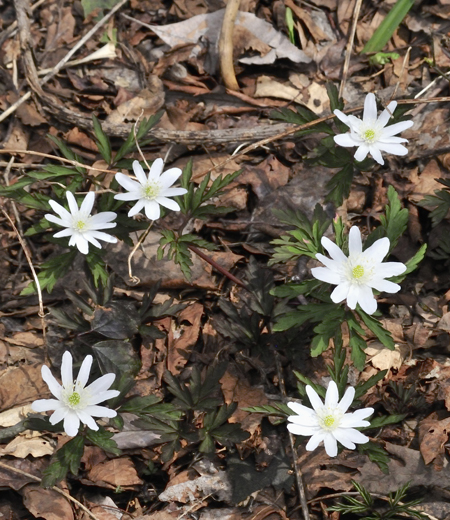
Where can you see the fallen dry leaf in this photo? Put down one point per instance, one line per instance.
(383, 358)
(182, 339)
(433, 435)
(28, 444)
(114, 473)
(21, 385)
(236, 388)
(46, 503)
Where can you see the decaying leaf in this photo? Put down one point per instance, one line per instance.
(46, 503)
(28, 444)
(433, 434)
(20, 385)
(384, 359)
(183, 339)
(114, 473)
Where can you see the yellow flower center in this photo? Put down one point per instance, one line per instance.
(328, 421)
(151, 190)
(369, 135)
(358, 272)
(79, 225)
(74, 399)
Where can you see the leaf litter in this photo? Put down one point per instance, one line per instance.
(171, 62)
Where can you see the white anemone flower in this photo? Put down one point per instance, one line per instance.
(371, 135)
(75, 401)
(329, 422)
(152, 191)
(81, 226)
(359, 273)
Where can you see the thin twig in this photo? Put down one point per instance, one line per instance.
(54, 488)
(33, 272)
(226, 45)
(298, 473)
(405, 59)
(348, 52)
(66, 58)
(217, 267)
(135, 279)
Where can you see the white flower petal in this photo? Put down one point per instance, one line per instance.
(376, 154)
(173, 192)
(85, 370)
(127, 183)
(354, 241)
(345, 140)
(58, 415)
(57, 220)
(45, 405)
(88, 203)
(100, 385)
(354, 435)
(66, 370)
(136, 208)
(156, 169)
(306, 431)
(370, 109)
(330, 445)
(333, 265)
(131, 195)
(64, 233)
(82, 244)
(315, 440)
(152, 210)
(386, 115)
(366, 299)
(102, 236)
(60, 210)
(341, 436)
(384, 285)
(53, 385)
(316, 401)
(326, 275)
(347, 400)
(397, 128)
(340, 115)
(361, 152)
(103, 396)
(352, 296)
(73, 206)
(392, 148)
(100, 411)
(168, 203)
(169, 177)
(139, 172)
(332, 395)
(90, 238)
(340, 293)
(378, 250)
(333, 250)
(71, 423)
(389, 269)
(356, 419)
(86, 419)
(100, 219)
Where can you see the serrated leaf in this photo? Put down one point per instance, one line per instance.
(117, 357)
(119, 320)
(375, 326)
(103, 439)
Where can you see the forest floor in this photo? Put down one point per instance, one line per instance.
(195, 345)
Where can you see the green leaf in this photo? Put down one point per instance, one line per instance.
(97, 267)
(388, 26)
(66, 459)
(89, 6)
(378, 422)
(362, 388)
(67, 152)
(333, 95)
(129, 145)
(118, 320)
(278, 410)
(339, 185)
(103, 143)
(51, 271)
(375, 326)
(117, 357)
(103, 439)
